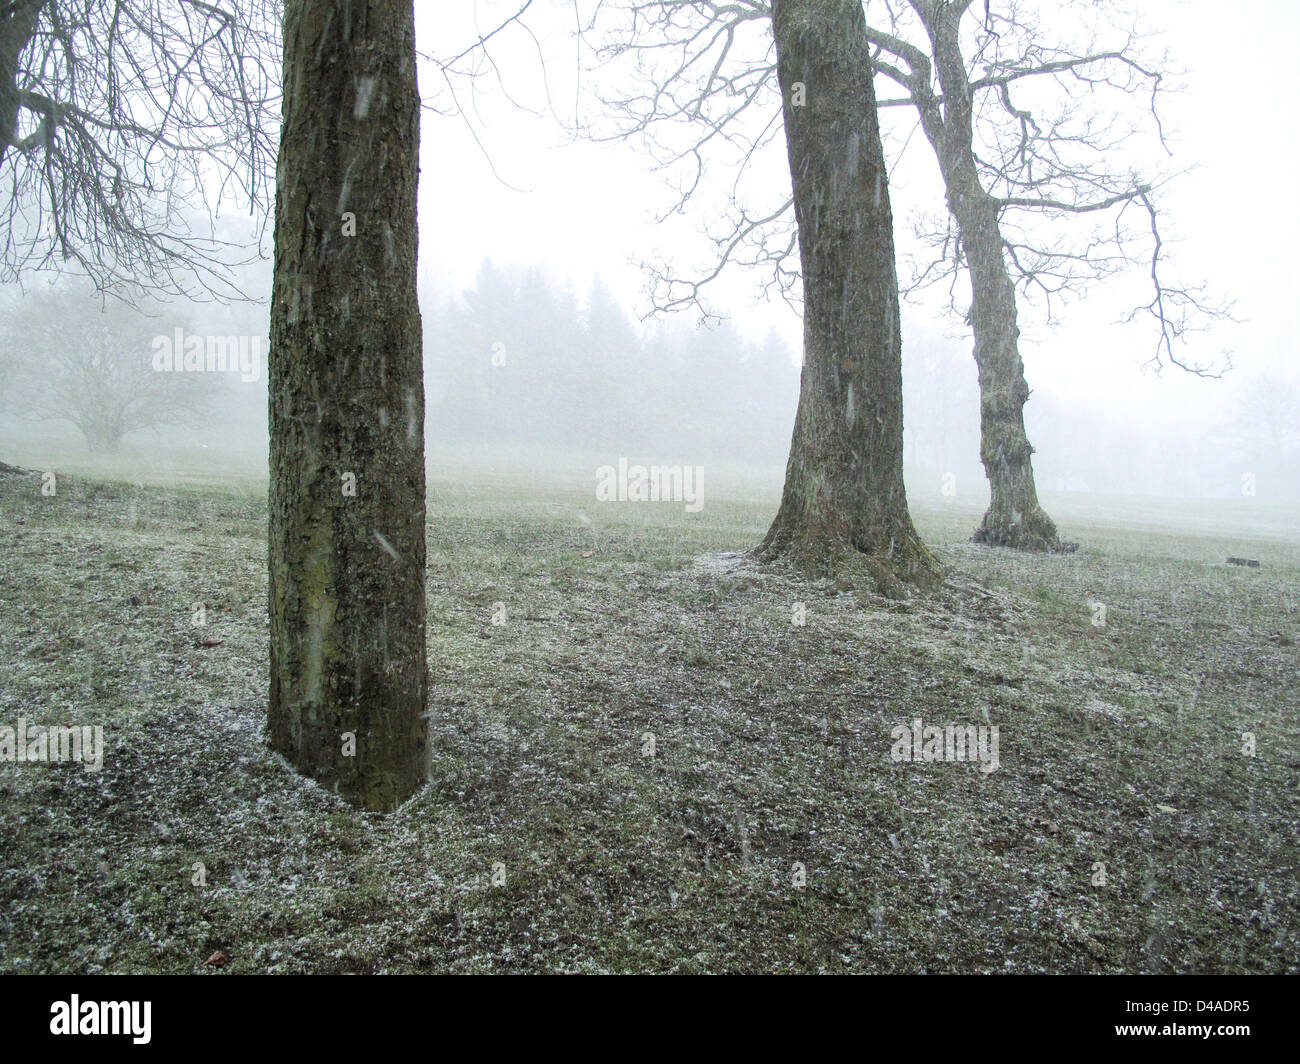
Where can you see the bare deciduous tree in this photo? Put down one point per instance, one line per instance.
(1265, 425)
(1019, 175)
(844, 502)
(1054, 158)
(90, 363)
(123, 124)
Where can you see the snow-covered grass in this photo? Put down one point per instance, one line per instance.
(1120, 745)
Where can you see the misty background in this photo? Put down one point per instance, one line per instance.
(537, 348)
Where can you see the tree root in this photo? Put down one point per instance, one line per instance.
(1034, 531)
(889, 573)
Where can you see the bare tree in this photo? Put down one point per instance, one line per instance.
(1265, 426)
(844, 502)
(91, 364)
(123, 124)
(1059, 165)
(1018, 177)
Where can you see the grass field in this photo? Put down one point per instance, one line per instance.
(1125, 830)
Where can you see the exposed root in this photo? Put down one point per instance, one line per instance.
(889, 573)
(1032, 531)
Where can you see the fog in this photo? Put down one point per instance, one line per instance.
(538, 338)
(287, 688)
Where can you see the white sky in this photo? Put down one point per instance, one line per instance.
(587, 208)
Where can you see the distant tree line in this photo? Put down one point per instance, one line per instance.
(521, 361)
(518, 361)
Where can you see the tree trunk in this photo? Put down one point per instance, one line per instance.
(102, 441)
(347, 547)
(17, 25)
(102, 432)
(1014, 517)
(844, 506)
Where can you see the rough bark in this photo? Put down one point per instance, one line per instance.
(844, 506)
(17, 24)
(347, 601)
(1014, 517)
